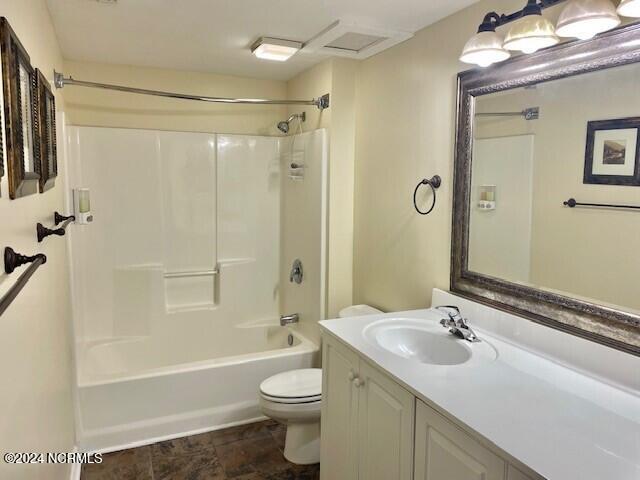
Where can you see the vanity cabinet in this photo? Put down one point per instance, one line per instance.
(444, 451)
(367, 420)
(375, 429)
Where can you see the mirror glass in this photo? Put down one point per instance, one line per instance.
(539, 146)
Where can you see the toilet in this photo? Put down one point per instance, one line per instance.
(294, 399)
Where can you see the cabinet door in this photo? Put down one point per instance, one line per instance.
(445, 452)
(515, 474)
(338, 445)
(386, 417)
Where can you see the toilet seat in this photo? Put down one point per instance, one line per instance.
(295, 400)
(293, 387)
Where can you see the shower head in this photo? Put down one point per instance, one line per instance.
(284, 125)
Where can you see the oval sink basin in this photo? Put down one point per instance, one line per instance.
(425, 341)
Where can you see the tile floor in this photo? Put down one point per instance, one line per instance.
(248, 452)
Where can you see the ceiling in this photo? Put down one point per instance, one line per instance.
(215, 35)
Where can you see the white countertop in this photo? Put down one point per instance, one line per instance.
(562, 424)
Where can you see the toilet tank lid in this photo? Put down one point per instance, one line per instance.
(358, 310)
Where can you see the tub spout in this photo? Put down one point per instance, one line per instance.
(288, 319)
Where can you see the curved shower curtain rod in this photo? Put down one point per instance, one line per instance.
(60, 81)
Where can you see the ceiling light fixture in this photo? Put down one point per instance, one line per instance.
(584, 19)
(629, 8)
(485, 47)
(276, 49)
(531, 32)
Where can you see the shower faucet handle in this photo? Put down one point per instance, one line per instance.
(297, 272)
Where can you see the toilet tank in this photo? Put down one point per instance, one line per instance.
(358, 311)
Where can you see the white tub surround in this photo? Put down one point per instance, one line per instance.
(179, 283)
(564, 407)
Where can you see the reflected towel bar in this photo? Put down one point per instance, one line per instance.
(195, 273)
(13, 260)
(571, 203)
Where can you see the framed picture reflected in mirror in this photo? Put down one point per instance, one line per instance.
(613, 152)
(18, 90)
(46, 127)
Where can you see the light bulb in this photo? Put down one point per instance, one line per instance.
(584, 19)
(531, 32)
(484, 49)
(629, 8)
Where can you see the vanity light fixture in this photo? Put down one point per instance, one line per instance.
(629, 8)
(276, 49)
(485, 47)
(532, 31)
(584, 19)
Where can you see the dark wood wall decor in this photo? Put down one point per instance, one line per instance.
(610, 326)
(1, 150)
(21, 146)
(46, 127)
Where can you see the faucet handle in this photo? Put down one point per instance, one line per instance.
(446, 309)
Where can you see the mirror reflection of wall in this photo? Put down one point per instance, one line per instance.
(536, 165)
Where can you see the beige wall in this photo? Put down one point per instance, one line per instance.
(406, 100)
(88, 106)
(35, 350)
(336, 77)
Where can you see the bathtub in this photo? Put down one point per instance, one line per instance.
(135, 391)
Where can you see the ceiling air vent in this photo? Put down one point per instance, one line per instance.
(354, 40)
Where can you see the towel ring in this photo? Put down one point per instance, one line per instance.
(434, 182)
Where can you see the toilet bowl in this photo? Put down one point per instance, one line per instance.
(294, 399)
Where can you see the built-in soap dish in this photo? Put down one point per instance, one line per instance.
(486, 197)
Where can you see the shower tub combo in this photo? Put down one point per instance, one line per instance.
(130, 392)
(176, 320)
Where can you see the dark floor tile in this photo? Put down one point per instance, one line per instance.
(242, 432)
(295, 472)
(132, 464)
(248, 452)
(185, 445)
(194, 466)
(252, 455)
(279, 434)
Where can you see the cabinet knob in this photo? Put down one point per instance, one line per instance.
(358, 382)
(351, 376)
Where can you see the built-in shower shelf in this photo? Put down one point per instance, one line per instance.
(191, 273)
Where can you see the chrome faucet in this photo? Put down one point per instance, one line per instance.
(457, 324)
(289, 319)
